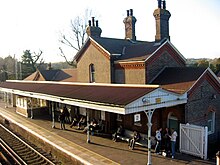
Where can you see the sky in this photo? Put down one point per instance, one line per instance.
(37, 24)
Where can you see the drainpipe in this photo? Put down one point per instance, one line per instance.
(149, 114)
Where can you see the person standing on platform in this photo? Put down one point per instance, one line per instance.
(173, 142)
(167, 141)
(62, 119)
(67, 114)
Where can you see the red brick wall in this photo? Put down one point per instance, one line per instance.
(200, 101)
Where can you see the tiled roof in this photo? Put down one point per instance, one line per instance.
(106, 93)
(49, 75)
(69, 75)
(178, 79)
(134, 50)
(32, 77)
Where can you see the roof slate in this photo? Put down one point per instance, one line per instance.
(135, 50)
(178, 79)
(67, 75)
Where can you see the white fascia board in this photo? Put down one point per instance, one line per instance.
(167, 41)
(213, 74)
(74, 102)
(207, 70)
(156, 50)
(155, 106)
(196, 81)
(148, 101)
(177, 51)
(99, 45)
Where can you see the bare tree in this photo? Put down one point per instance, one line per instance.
(77, 37)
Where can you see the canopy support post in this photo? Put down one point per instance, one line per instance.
(149, 114)
(88, 131)
(53, 115)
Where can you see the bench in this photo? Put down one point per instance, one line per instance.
(143, 141)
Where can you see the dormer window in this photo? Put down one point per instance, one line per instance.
(91, 73)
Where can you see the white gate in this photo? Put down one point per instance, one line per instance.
(194, 140)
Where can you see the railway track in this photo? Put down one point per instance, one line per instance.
(20, 151)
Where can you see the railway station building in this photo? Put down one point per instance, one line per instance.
(120, 80)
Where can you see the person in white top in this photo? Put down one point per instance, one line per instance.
(158, 138)
(173, 141)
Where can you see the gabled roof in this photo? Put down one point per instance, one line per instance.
(178, 79)
(127, 48)
(34, 77)
(124, 48)
(54, 75)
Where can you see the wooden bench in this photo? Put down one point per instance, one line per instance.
(143, 141)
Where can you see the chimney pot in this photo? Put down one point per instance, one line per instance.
(97, 23)
(164, 4)
(90, 22)
(131, 12)
(127, 13)
(159, 4)
(93, 21)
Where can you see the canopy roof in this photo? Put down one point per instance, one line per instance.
(117, 98)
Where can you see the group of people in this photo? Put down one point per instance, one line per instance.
(64, 117)
(131, 142)
(169, 139)
(80, 122)
(93, 126)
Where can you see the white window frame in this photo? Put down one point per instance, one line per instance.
(91, 73)
(212, 121)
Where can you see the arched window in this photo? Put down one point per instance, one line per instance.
(91, 73)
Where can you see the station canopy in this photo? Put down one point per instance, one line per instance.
(115, 98)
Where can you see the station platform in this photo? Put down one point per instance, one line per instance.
(101, 151)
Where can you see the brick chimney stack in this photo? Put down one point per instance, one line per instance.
(93, 29)
(129, 22)
(162, 21)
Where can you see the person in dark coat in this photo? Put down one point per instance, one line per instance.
(167, 140)
(62, 119)
(67, 114)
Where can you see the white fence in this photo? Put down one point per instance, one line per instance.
(194, 140)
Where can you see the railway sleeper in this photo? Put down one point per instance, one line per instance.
(38, 160)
